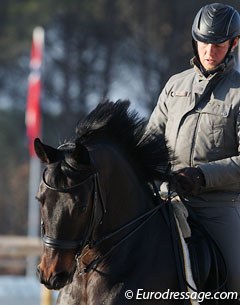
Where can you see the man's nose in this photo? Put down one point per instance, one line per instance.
(210, 49)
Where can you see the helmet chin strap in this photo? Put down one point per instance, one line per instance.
(219, 68)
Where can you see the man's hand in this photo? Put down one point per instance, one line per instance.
(189, 180)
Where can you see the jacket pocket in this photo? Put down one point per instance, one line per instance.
(217, 108)
(216, 115)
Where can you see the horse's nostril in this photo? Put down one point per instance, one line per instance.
(40, 275)
(38, 271)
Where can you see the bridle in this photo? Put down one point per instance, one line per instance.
(79, 245)
(54, 243)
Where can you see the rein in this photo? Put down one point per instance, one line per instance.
(92, 244)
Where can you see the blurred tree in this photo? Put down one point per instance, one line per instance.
(13, 173)
(95, 49)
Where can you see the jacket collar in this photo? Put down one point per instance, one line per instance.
(224, 67)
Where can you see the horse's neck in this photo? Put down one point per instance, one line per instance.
(129, 222)
(141, 259)
(123, 194)
(126, 198)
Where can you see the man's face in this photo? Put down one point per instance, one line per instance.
(211, 55)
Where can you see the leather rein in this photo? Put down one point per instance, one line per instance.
(54, 243)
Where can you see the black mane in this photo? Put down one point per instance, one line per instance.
(114, 121)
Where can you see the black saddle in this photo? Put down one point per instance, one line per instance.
(208, 265)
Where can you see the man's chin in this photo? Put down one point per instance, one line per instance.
(210, 68)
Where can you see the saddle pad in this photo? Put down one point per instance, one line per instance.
(187, 264)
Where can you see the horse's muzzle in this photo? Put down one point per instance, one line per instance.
(56, 280)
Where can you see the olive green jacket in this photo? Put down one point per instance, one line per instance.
(204, 134)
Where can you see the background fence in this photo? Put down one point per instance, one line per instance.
(17, 254)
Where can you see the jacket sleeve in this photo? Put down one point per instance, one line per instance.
(223, 173)
(158, 118)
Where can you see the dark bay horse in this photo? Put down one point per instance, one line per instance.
(105, 238)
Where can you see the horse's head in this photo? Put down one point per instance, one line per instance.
(68, 199)
(106, 168)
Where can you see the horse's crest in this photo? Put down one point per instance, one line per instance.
(116, 122)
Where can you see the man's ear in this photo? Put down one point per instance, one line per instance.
(235, 43)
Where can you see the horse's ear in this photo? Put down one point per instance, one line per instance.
(45, 153)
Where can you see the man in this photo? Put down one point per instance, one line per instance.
(198, 111)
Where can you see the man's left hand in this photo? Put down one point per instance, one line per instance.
(189, 180)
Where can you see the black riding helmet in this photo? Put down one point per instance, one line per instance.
(215, 23)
